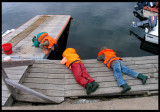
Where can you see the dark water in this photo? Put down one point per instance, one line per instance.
(94, 24)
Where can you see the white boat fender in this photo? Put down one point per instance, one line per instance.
(7, 58)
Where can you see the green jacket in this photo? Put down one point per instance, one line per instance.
(36, 42)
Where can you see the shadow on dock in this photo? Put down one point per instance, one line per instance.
(62, 42)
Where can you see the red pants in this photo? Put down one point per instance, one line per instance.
(80, 73)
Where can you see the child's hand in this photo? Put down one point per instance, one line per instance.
(46, 51)
(64, 60)
(52, 48)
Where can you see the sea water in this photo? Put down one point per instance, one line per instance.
(94, 24)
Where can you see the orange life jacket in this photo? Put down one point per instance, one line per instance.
(109, 56)
(44, 37)
(71, 55)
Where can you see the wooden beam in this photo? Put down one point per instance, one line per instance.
(11, 88)
(7, 64)
(15, 40)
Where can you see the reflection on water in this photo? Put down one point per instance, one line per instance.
(94, 24)
(146, 46)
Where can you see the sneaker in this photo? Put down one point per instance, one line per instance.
(88, 88)
(94, 86)
(142, 77)
(144, 80)
(126, 88)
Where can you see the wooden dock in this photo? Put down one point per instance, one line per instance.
(21, 38)
(57, 81)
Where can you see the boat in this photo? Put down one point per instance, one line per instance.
(146, 45)
(151, 28)
(148, 8)
(152, 36)
(151, 11)
(149, 20)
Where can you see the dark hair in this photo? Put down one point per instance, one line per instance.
(34, 38)
(103, 48)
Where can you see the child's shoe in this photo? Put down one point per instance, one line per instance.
(126, 88)
(88, 88)
(142, 77)
(94, 86)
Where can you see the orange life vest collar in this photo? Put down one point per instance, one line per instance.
(101, 52)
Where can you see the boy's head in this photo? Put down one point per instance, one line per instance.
(103, 48)
(34, 38)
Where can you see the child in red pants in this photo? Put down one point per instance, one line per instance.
(72, 61)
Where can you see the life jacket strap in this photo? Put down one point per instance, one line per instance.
(73, 62)
(110, 60)
(43, 38)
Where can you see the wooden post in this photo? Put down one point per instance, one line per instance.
(8, 64)
(11, 88)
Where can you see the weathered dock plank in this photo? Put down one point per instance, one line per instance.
(22, 35)
(51, 75)
(99, 79)
(111, 83)
(111, 90)
(90, 70)
(44, 86)
(45, 80)
(94, 61)
(20, 29)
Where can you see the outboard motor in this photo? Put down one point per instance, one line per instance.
(149, 23)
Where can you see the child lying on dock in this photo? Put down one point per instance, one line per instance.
(72, 61)
(45, 42)
(114, 62)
